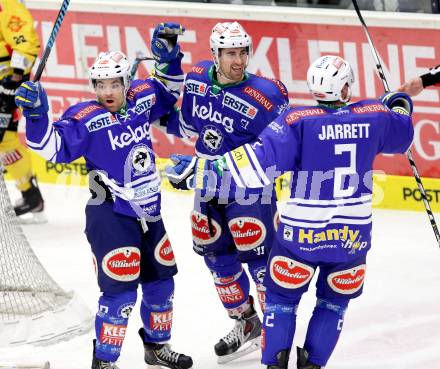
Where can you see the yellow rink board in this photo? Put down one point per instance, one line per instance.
(390, 192)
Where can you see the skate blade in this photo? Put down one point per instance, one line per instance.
(252, 345)
(32, 218)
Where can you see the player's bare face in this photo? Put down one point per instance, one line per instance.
(232, 63)
(110, 93)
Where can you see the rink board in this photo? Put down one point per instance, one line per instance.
(285, 41)
(389, 191)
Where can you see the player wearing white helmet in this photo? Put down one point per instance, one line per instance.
(231, 49)
(226, 106)
(123, 218)
(325, 226)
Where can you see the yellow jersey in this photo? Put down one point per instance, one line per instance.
(19, 42)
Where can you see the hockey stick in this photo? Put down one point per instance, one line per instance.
(44, 365)
(136, 63)
(409, 154)
(51, 41)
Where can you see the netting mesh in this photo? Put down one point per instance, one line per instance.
(26, 289)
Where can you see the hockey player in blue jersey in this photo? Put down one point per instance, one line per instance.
(123, 223)
(226, 107)
(327, 222)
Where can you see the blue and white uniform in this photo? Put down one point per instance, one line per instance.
(226, 232)
(125, 184)
(327, 221)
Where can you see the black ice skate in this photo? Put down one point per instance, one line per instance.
(30, 208)
(302, 360)
(243, 339)
(283, 360)
(100, 364)
(160, 355)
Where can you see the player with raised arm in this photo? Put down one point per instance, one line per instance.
(327, 222)
(19, 48)
(123, 216)
(225, 106)
(416, 85)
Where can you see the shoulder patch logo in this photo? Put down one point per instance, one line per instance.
(86, 111)
(259, 97)
(298, 114)
(197, 69)
(371, 108)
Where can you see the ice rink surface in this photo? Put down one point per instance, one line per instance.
(395, 324)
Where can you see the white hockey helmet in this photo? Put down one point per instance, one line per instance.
(327, 76)
(111, 64)
(229, 35)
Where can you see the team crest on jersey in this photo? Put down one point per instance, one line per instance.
(247, 232)
(163, 252)
(122, 264)
(347, 281)
(200, 229)
(15, 24)
(212, 138)
(101, 121)
(289, 273)
(196, 87)
(239, 105)
(140, 158)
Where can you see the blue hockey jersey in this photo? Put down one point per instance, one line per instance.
(225, 116)
(331, 151)
(117, 145)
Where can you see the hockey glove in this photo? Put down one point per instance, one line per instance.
(181, 174)
(189, 172)
(398, 100)
(164, 46)
(32, 98)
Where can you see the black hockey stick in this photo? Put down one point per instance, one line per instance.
(409, 154)
(136, 63)
(51, 41)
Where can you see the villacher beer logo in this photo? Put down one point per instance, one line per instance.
(164, 252)
(247, 232)
(347, 281)
(122, 264)
(200, 229)
(289, 273)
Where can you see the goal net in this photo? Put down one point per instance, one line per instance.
(33, 307)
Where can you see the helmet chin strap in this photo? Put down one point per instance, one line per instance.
(348, 97)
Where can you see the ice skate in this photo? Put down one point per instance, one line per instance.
(283, 360)
(158, 356)
(302, 361)
(30, 208)
(100, 364)
(243, 339)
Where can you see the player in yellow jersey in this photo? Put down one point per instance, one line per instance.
(19, 47)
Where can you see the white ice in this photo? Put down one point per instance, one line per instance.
(395, 324)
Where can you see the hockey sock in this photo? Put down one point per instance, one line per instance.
(257, 270)
(279, 324)
(231, 282)
(157, 310)
(111, 323)
(324, 329)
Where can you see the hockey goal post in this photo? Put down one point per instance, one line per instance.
(33, 307)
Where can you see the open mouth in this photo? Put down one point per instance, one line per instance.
(109, 101)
